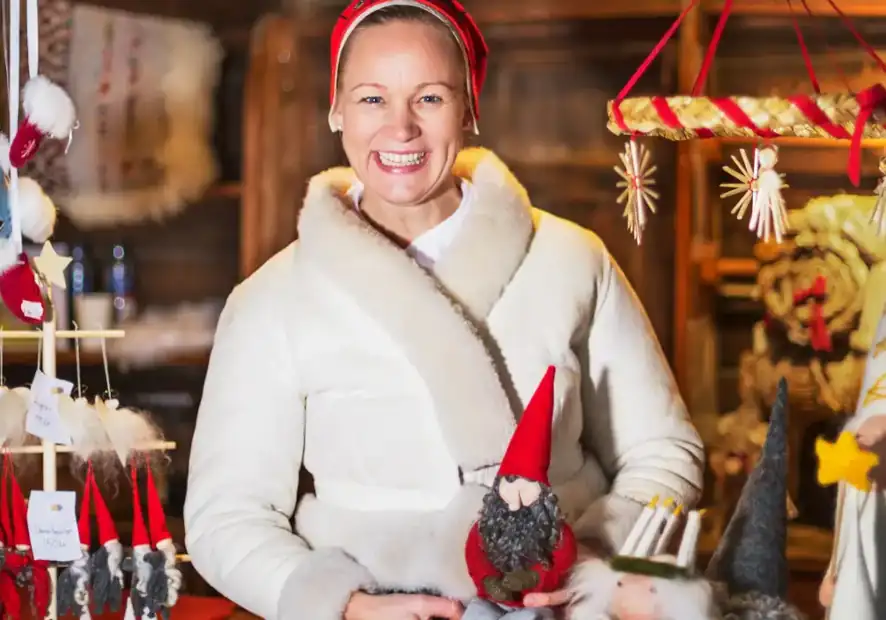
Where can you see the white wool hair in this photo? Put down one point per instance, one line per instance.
(49, 108)
(115, 558)
(591, 590)
(687, 599)
(127, 429)
(173, 574)
(13, 410)
(142, 568)
(80, 567)
(82, 421)
(4, 153)
(37, 211)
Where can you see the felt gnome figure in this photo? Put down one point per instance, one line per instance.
(72, 587)
(751, 559)
(29, 573)
(49, 112)
(521, 544)
(157, 579)
(106, 563)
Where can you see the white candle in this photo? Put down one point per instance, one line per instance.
(689, 544)
(670, 528)
(653, 530)
(639, 525)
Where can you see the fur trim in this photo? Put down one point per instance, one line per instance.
(83, 423)
(13, 411)
(49, 108)
(5, 165)
(757, 606)
(321, 586)
(127, 429)
(439, 319)
(38, 214)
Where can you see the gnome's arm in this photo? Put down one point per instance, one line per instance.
(244, 470)
(636, 423)
(479, 567)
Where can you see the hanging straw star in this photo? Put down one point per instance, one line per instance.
(878, 217)
(636, 172)
(760, 188)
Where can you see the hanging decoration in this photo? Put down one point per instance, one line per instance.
(878, 218)
(837, 116)
(638, 196)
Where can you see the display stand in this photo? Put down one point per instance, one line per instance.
(49, 337)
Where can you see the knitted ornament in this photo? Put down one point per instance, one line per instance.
(28, 572)
(157, 578)
(751, 559)
(49, 111)
(37, 212)
(106, 563)
(21, 293)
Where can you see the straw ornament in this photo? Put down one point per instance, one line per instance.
(851, 117)
(637, 195)
(878, 217)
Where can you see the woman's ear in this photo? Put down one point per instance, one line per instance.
(335, 121)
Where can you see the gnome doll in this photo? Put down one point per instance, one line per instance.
(49, 112)
(106, 563)
(29, 573)
(751, 559)
(521, 543)
(72, 587)
(156, 576)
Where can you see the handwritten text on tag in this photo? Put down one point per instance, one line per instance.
(43, 419)
(52, 524)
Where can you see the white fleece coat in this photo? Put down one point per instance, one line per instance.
(398, 389)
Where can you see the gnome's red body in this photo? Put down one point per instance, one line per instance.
(528, 457)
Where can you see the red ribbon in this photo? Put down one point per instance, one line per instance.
(819, 335)
(870, 100)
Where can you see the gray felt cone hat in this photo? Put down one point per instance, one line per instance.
(752, 555)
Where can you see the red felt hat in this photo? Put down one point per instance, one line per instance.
(83, 521)
(529, 453)
(450, 12)
(49, 111)
(5, 515)
(107, 531)
(20, 535)
(139, 531)
(156, 517)
(21, 293)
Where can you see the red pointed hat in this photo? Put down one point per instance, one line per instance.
(450, 12)
(83, 521)
(156, 531)
(529, 453)
(139, 531)
(92, 497)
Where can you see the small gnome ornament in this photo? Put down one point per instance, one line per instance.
(521, 543)
(30, 574)
(106, 563)
(157, 579)
(751, 560)
(49, 112)
(72, 587)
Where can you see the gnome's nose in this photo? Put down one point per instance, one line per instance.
(635, 598)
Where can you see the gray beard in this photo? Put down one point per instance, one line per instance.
(519, 539)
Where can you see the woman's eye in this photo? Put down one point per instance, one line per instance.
(431, 99)
(371, 100)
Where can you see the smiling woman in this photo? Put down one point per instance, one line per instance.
(392, 348)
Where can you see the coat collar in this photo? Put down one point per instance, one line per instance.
(438, 319)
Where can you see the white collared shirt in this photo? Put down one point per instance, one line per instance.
(427, 248)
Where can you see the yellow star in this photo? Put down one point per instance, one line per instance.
(877, 391)
(844, 461)
(52, 266)
(880, 348)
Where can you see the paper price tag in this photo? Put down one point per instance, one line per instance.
(43, 419)
(52, 524)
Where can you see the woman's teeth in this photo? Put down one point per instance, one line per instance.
(400, 159)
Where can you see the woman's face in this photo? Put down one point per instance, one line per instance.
(402, 110)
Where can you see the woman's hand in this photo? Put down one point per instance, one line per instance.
(557, 598)
(364, 606)
(871, 436)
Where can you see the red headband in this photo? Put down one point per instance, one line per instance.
(450, 12)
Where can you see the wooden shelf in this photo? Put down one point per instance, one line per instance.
(225, 190)
(94, 358)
